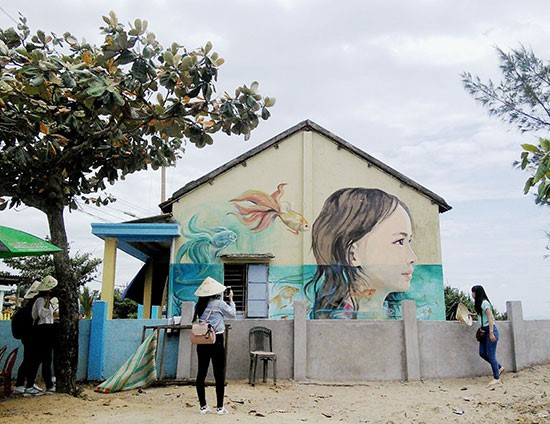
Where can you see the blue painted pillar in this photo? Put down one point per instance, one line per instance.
(140, 312)
(154, 312)
(97, 340)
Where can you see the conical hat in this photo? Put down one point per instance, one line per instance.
(463, 314)
(209, 287)
(32, 291)
(47, 283)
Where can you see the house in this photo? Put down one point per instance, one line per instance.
(303, 216)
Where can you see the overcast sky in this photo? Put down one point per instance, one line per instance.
(383, 75)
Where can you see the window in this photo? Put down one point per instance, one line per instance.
(249, 285)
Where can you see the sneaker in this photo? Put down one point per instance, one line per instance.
(495, 382)
(33, 391)
(51, 390)
(501, 370)
(19, 390)
(205, 410)
(37, 388)
(222, 411)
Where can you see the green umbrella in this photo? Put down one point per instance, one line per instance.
(18, 243)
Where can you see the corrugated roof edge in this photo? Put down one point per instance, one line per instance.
(166, 206)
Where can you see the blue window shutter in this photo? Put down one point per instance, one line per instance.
(257, 291)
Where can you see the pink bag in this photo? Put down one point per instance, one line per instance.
(203, 333)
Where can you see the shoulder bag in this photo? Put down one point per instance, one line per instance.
(203, 332)
(481, 335)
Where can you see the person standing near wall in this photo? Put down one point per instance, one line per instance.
(29, 344)
(213, 309)
(486, 321)
(42, 313)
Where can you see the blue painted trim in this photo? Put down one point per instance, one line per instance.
(140, 312)
(136, 232)
(132, 251)
(97, 340)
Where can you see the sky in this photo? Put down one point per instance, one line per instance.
(384, 76)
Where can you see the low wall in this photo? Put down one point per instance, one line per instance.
(323, 350)
(83, 345)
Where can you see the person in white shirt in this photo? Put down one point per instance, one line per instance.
(42, 314)
(214, 310)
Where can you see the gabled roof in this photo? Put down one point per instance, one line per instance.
(306, 125)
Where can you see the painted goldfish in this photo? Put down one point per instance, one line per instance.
(285, 296)
(266, 208)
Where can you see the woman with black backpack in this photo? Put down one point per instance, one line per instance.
(22, 327)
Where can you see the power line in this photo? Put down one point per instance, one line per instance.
(8, 15)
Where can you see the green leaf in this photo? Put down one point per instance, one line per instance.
(528, 185)
(265, 114)
(139, 70)
(545, 144)
(96, 90)
(36, 81)
(125, 57)
(530, 148)
(207, 47)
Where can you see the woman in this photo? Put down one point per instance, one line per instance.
(42, 314)
(29, 347)
(211, 308)
(362, 245)
(486, 320)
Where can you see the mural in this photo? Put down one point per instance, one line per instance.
(265, 209)
(361, 241)
(362, 244)
(204, 245)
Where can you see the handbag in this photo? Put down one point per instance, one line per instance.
(481, 335)
(203, 332)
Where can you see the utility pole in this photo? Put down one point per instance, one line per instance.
(162, 183)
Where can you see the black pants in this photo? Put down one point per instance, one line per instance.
(42, 346)
(28, 358)
(216, 352)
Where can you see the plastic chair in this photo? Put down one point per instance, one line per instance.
(260, 346)
(5, 375)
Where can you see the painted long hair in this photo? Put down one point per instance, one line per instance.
(480, 297)
(347, 216)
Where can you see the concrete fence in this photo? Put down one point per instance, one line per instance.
(323, 350)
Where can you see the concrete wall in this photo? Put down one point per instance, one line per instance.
(83, 344)
(336, 350)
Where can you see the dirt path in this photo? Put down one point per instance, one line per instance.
(524, 397)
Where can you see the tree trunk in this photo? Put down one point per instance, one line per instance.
(66, 361)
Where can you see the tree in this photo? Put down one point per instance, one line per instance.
(126, 308)
(454, 296)
(33, 268)
(75, 116)
(522, 98)
(87, 299)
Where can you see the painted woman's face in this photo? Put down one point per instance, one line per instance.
(385, 254)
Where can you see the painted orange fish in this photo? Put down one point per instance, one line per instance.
(266, 208)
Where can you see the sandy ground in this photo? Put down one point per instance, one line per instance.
(523, 398)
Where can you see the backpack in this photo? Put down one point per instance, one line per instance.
(21, 320)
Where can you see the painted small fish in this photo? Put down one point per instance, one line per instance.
(266, 208)
(285, 296)
(204, 244)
